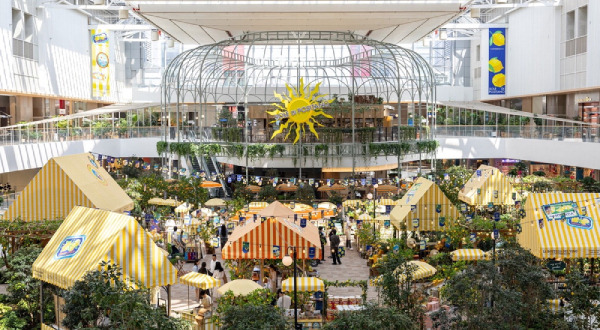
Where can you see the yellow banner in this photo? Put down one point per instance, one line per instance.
(100, 63)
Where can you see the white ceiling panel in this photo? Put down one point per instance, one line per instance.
(208, 21)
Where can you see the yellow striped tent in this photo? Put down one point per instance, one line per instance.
(468, 255)
(491, 186)
(561, 225)
(88, 237)
(307, 284)
(422, 208)
(421, 270)
(201, 281)
(65, 182)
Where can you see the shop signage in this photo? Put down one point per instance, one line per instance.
(69, 247)
(473, 237)
(311, 252)
(245, 247)
(497, 61)
(442, 221)
(496, 234)
(555, 265)
(438, 208)
(276, 251)
(299, 108)
(386, 223)
(568, 212)
(415, 223)
(302, 222)
(496, 216)
(396, 248)
(422, 245)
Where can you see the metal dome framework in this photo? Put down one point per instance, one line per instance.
(247, 69)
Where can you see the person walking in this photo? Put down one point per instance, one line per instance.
(219, 273)
(223, 235)
(323, 243)
(334, 241)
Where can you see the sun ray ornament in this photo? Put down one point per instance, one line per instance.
(299, 109)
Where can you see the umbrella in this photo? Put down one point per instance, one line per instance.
(383, 188)
(215, 202)
(352, 202)
(335, 187)
(198, 280)
(164, 202)
(239, 287)
(286, 188)
(387, 201)
(183, 208)
(468, 254)
(327, 206)
(253, 189)
(423, 269)
(305, 284)
(210, 184)
(276, 210)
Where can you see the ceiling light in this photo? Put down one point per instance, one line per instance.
(475, 12)
(170, 43)
(99, 2)
(154, 35)
(443, 34)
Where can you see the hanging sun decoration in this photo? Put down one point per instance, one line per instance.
(299, 109)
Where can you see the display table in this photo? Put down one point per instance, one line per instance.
(190, 316)
(309, 323)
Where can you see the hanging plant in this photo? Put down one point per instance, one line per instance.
(161, 146)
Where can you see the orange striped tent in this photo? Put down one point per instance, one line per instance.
(271, 238)
(66, 182)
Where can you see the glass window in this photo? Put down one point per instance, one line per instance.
(570, 25)
(582, 21)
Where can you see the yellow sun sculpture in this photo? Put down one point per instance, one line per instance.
(299, 109)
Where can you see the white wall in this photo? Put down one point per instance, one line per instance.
(532, 53)
(593, 44)
(63, 68)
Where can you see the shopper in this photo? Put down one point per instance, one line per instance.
(196, 267)
(284, 302)
(213, 263)
(273, 275)
(223, 235)
(203, 269)
(219, 273)
(323, 243)
(334, 241)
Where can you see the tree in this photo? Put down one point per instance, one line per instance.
(24, 290)
(267, 193)
(263, 317)
(457, 177)
(510, 294)
(102, 300)
(581, 297)
(241, 191)
(372, 318)
(305, 194)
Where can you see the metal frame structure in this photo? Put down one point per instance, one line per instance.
(247, 70)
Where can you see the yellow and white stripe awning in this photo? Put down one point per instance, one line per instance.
(365, 217)
(164, 202)
(198, 280)
(492, 186)
(89, 236)
(421, 270)
(423, 207)
(468, 255)
(554, 305)
(561, 225)
(65, 182)
(307, 284)
(257, 205)
(352, 202)
(386, 201)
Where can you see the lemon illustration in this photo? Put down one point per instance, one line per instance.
(499, 80)
(495, 65)
(497, 39)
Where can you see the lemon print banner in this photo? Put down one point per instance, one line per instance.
(100, 63)
(497, 62)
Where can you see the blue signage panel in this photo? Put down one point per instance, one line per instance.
(497, 61)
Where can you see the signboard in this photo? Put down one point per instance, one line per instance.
(300, 109)
(100, 63)
(497, 61)
(415, 223)
(568, 212)
(69, 247)
(422, 245)
(555, 265)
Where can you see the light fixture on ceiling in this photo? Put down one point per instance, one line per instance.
(154, 35)
(443, 34)
(99, 2)
(426, 42)
(501, 1)
(170, 43)
(475, 12)
(123, 14)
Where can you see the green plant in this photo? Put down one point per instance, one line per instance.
(372, 317)
(366, 235)
(162, 146)
(267, 193)
(102, 294)
(581, 296)
(233, 312)
(305, 194)
(9, 318)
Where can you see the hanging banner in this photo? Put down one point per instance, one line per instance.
(311, 252)
(100, 63)
(276, 251)
(245, 247)
(497, 62)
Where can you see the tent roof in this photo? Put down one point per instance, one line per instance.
(261, 236)
(556, 226)
(89, 236)
(277, 210)
(424, 196)
(491, 179)
(65, 182)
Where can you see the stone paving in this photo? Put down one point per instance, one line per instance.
(353, 267)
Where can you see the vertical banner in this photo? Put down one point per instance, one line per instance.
(100, 63)
(497, 62)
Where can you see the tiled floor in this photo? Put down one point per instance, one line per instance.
(352, 267)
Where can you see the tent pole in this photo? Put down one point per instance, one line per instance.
(168, 299)
(188, 287)
(42, 303)
(260, 274)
